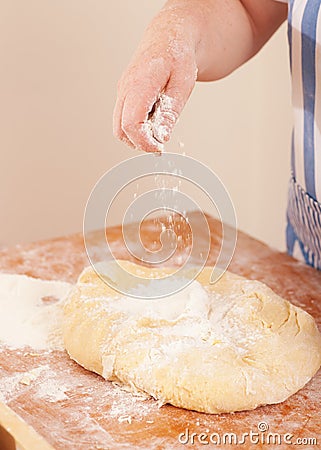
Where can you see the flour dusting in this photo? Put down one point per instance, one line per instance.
(44, 381)
(31, 312)
(158, 126)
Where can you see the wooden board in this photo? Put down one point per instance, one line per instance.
(82, 411)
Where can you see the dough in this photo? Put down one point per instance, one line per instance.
(230, 346)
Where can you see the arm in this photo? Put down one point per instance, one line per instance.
(188, 40)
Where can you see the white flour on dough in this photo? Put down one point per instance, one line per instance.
(215, 348)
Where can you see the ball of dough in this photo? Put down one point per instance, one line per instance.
(229, 346)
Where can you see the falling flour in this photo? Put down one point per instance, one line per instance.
(31, 312)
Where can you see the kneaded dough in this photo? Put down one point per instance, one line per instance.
(230, 346)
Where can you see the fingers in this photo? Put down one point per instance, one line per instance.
(117, 129)
(176, 93)
(154, 89)
(150, 102)
(138, 91)
(136, 117)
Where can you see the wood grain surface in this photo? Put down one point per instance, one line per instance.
(95, 414)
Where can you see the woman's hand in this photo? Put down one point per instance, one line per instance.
(187, 40)
(155, 87)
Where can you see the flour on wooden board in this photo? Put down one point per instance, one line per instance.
(31, 312)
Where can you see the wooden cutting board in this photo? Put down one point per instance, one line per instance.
(79, 410)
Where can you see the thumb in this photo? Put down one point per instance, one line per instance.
(169, 105)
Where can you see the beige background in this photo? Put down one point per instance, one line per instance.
(59, 65)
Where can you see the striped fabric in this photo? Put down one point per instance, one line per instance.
(304, 208)
(304, 225)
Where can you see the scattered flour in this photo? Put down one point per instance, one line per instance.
(52, 391)
(128, 404)
(46, 384)
(28, 377)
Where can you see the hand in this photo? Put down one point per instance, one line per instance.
(188, 39)
(155, 87)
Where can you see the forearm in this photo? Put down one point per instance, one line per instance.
(227, 33)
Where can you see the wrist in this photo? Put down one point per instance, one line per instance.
(185, 19)
(192, 19)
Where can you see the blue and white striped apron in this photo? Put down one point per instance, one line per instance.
(304, 207)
